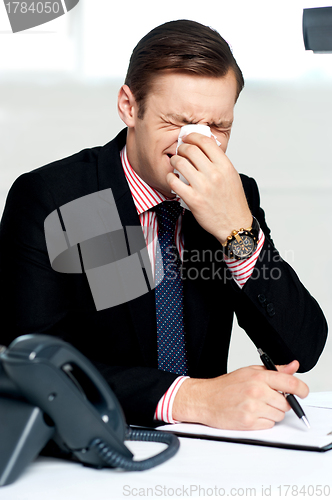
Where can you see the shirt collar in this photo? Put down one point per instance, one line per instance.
(145, 197)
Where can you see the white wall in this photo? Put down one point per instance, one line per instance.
(282, 137)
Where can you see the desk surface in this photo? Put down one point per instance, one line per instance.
(200, 468)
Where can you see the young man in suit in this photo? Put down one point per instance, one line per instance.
(164, 353)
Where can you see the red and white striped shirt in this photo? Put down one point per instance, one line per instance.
(145, 197)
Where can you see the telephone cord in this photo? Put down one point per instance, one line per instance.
(115, 459)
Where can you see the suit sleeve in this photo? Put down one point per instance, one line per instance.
(36, 299)
(33, 297)
(274, 308)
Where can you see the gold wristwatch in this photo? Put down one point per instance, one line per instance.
(242, 244)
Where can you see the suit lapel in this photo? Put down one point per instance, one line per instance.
(142, 310)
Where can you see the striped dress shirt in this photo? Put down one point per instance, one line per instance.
(145, 198)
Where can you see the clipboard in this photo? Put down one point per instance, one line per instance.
(289, 433)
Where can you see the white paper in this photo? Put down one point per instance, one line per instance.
(291, 431)
(319, 399)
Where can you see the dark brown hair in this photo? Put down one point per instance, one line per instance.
(184, 46)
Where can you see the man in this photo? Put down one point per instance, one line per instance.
(180, 73)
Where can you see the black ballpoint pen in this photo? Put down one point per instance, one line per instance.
(293, 403)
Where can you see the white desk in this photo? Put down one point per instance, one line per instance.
(215, 467)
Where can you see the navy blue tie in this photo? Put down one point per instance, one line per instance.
(169, 293)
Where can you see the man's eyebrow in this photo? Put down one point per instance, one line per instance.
(180, 118)
(222, 124)
(186, 120)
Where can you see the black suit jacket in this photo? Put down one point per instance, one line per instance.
(276, 311)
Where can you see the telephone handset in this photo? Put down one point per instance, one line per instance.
(49, 389)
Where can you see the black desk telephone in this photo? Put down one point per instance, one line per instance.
(49, 390)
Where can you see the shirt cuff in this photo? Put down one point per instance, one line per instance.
(165, 406)
(242, 269)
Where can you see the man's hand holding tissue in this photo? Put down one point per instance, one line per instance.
(249, 398)
(215, 194)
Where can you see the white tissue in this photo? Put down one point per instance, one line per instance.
(186, 130)
(199, 129)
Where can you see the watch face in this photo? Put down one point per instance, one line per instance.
(242, 249)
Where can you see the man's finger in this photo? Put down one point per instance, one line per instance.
(291, 368)
(208, 145)
(287, 383)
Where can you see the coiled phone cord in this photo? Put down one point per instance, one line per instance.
(115, 459)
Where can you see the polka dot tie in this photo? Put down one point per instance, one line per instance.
(169, 293)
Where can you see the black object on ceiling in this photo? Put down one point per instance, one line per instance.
(317, 29)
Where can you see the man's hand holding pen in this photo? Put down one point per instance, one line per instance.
(250, 398)
(291, 399)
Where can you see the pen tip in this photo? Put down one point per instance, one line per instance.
(306, 422)
(260, 351)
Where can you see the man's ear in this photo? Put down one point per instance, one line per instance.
(127, 107)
